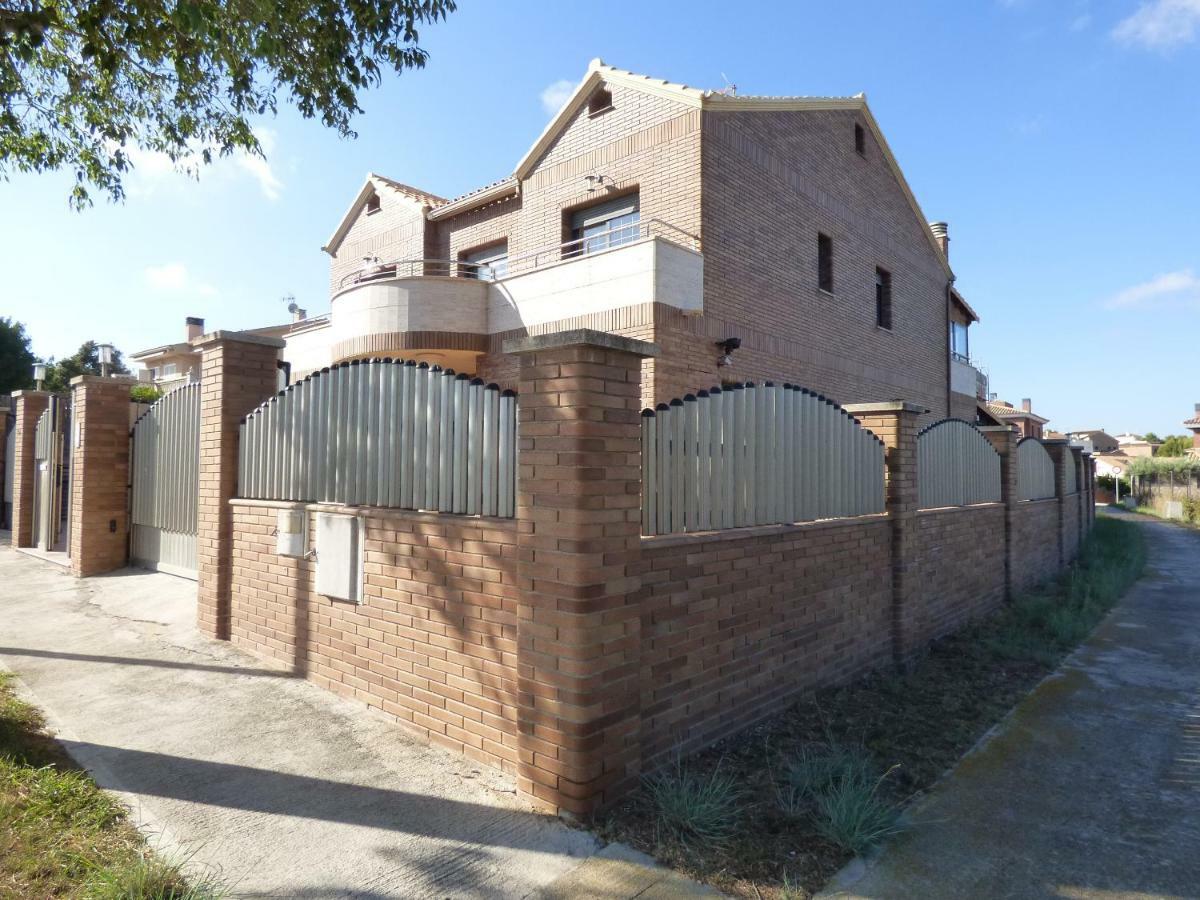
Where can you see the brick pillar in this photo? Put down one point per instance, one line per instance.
(1058, 452)
(1005, 439)
(100, 474)
(5, 413)
(579, 543)
(1080, 497)
(895, 423)
(238, 372)
(29, 407)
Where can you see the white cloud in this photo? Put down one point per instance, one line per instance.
(1080, 22)
(1160, 24)
(174, 278)
(1172, 288)
(556, 94)
(152, 168)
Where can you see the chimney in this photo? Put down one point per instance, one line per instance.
(195, 327)
(1198, 409)
(1027, 405)
(298, 314)
(941, 231)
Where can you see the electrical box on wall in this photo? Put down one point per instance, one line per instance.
(291, 532)
(339, 557)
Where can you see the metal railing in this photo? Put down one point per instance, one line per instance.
(375, 269)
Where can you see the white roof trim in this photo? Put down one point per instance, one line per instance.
(374, 184)
(499, 190)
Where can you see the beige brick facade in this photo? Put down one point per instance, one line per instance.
(100, 474)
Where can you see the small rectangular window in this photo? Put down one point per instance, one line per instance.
(825, 262)
(486, 264)
(860, 140)
(883, 298)
(604, 225)
(373, 204)
(958, 342)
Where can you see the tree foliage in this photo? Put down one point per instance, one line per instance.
(1175, 445)
(84, 361)
(16, 357)
(1151, 437)
(144, 393)
(84, 82)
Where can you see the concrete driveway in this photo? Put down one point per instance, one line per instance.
(282, 788)
(1091, 789)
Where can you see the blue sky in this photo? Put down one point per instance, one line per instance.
(1059, 138)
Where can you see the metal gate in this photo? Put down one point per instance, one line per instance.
(52, 479)
(164, 483)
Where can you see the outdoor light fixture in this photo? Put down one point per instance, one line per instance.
(106, 358)
(39, 374)
(727, 347)
(594, 181)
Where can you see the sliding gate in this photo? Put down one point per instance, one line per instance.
(52, 479)
(165, 476)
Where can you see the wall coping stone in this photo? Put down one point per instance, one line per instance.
(125, 381)
(750, 532)
(241, 337)
(996, 429)
(576, 336)
(885, 406)
(29, 392)
(377, 512)
(944, 510)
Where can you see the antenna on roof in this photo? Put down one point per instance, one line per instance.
(730, 89)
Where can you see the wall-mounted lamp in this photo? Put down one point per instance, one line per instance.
(595, 181)
(727, 347)
(106, 358)
(39, 374)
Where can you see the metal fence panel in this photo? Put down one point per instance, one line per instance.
(1035, 471)
(1069, 471)
(750, 454)
(956, 466)
(385, 433)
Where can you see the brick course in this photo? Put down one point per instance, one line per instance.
(961, 568)
(100, 474)
(29, 407)
(1035, 543)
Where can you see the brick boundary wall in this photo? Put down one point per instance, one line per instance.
(736, 624)
(1034, 545)
(434, 641)
(961, 563)
(29, 406)
(100, 474)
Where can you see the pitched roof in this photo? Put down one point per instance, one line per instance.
(1005, 411)
(1193, 422)
(377, 184)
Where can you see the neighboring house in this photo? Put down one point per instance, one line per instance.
(1001, 412)
(1112, 463)
(749, 237)
(171, 365)
(1094, 441)
(1139, 448)
(1193, 425)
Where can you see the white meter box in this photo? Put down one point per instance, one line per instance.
(339, 557)
(291, 532)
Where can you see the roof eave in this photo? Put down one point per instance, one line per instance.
(509, 187)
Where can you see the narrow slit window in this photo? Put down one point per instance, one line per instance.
(600, 101)
(373, 204)
(825, 262)
(860, 140)
(883, 298)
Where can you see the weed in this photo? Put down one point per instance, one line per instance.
(852, 814)
(694, 807)
(814, 769)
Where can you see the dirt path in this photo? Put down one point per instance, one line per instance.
(1091, 789)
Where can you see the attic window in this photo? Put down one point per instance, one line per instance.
(860, 140)
(373, 204)
(600, 101)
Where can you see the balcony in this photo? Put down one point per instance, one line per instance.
(966, 378)
(453, 307)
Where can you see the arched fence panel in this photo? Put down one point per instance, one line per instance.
(385, 433)
(165, 479)
(956, 466)
(755, 455)
(1035, 471)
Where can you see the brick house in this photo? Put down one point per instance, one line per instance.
(749, 237)
(1001, 412)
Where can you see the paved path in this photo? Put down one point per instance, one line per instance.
(1091, 789)
(282, 788)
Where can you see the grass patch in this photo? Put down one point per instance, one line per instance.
(696, 809)
(60, 835)
(806, 785)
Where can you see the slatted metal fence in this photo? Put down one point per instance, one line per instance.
(755, 455)
(43, 436)
(165, 474)
(1035, 471)
(385, 433)
(956, 466)
(1069, 471)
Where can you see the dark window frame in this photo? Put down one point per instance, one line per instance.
(489, 252)
(600, 101)
(883, 298)
(824, 262)
(373, 204)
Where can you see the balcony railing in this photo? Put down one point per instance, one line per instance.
(541, 257)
